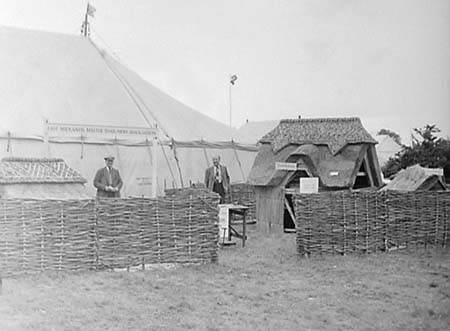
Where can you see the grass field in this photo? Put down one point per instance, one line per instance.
(264, 286)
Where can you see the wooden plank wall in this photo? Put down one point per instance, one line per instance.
(269, 208)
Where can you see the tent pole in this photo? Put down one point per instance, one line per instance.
(239, 161)
(206, 155)
(154, 167)
(46, 138)
(177, 161)
(167, 160)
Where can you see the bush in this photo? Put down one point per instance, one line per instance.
(427, 151)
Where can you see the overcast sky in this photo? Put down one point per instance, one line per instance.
(385, 61)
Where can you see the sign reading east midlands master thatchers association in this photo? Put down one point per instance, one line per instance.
(290, 166)
(75, 130)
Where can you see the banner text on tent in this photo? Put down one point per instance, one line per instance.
(70, 130)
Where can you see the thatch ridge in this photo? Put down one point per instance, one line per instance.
(336, 133)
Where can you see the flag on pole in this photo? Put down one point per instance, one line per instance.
(90, 10)
(233, 79)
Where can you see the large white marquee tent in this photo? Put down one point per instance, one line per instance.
(62, 96)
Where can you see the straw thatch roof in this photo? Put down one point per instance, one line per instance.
(34, 170)
(416, 178)
(331, 149)
(333, 132)
(333, 171)
(30, 178)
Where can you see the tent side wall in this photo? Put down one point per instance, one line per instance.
(43, 191)
(135, 163)
(269, 208)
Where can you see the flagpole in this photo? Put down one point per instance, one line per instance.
(86, 20)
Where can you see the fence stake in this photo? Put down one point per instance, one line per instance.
(62, 236)
(367, 225)
(345, 224)
(96, 243)
(189, 226)
(437, 222)
(41, 221)
(23, 237)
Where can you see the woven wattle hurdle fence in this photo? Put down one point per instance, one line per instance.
(74, 235)
(365, 221)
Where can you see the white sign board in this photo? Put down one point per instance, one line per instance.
(290, 166)
(75, 130)
(309, 185)
(224, 221)
(434, 171)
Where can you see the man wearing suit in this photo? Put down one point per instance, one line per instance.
(107, 180)
(217, 178)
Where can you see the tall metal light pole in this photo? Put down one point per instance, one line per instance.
(233, 79)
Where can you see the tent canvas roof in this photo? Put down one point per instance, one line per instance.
(387, 147)
(252, 132)
(68, 79)
(77, 87)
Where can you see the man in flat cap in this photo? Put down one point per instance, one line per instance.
(107, 180)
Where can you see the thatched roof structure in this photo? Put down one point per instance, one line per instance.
(332, 132)
(416, 178)
(332, 149)
(39, 178)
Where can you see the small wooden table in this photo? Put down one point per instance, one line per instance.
(237, 210)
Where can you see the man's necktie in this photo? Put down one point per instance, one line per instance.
(217, 174)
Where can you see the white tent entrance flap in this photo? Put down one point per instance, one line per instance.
(136, 171)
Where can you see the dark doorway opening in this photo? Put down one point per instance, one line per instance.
(288, 223)
(292, 186)
(362, 178)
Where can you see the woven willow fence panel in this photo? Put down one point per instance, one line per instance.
(240, 193)
(66, 235)
(364, 222)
